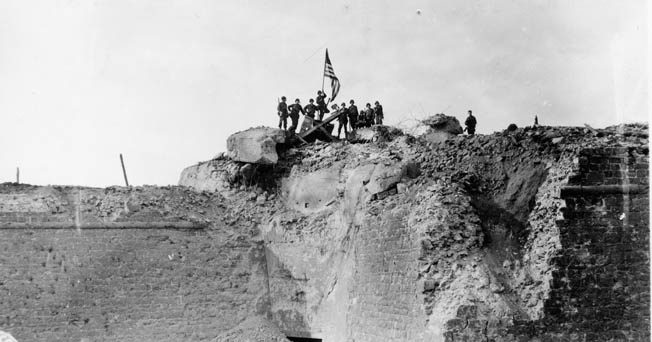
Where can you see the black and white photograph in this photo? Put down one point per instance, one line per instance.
(325, 171)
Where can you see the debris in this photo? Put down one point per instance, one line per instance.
(443, 123)
(255, 145)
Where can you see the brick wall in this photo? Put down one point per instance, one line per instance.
(601, 290)
(133, 284)
(387, 305)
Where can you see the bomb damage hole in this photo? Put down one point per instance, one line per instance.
(303, 339)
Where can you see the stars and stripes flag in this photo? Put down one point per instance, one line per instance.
(328, 72)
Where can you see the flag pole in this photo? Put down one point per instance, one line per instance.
(323, 76)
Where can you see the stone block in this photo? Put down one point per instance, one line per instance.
(255, 145)
(443, 123)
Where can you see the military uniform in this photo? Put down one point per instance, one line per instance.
(369, 116)
(353, 116)
(310, 110)
(282, 110)
(321, 105)
(470, 124)
(343, 121)
(295, 109)
(378, 112)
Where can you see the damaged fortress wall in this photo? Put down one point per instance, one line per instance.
(600, 282)
(117, 264)
(601, 288)
(395, 238)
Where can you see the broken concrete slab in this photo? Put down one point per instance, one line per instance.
(443, 123)
(312, 192)
(255, 145)
(213, 175)
(385, 176)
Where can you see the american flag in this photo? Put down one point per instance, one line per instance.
(328, 72)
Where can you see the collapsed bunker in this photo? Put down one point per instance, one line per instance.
(536, 234)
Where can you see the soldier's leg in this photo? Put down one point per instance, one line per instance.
(295, 123)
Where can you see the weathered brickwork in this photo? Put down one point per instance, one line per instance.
(131, 284)
(387, 304)
(600, 289)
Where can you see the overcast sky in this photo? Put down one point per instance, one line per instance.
(165, 82)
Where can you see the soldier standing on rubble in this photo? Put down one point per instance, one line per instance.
(353, 115)
(470, 124)
(369, 115)
(378, 112)
(295, 109)
(310, 109)
(282, 111)
(321, 104)
(343, 121)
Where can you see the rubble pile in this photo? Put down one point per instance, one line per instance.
(375, 133)
(443, 123)
(441, 127)
(485, 206)
(426, 232)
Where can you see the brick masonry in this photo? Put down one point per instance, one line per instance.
(121, 284)
(388, 305)
(600, 290)
(169, 284)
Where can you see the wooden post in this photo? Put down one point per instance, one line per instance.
(17, 175)
(124, 172)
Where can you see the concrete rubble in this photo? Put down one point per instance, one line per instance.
(375, 133)
(486, 191)
(439, 237)
(441, 127)
(255, 145)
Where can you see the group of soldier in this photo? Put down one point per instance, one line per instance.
(346, 116)
(367, 117)
(317, 109)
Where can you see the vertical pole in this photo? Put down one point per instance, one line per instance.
(123, 169)
(17, 175)
(323, 77)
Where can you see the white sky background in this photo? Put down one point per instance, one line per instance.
(165, 82)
